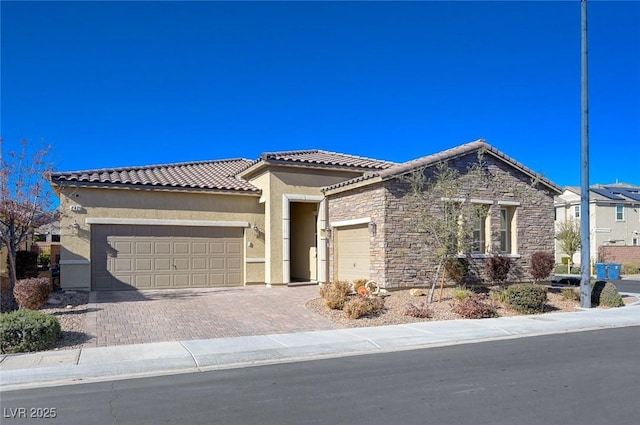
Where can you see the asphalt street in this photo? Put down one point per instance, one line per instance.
(572, 378)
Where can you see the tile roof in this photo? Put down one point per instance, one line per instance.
(321, 157)
(430, 160)
(218, 175)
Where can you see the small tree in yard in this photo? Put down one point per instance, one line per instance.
(24, 200)
(542, 265)
(568, 236)
(445, 214)
(497, 268)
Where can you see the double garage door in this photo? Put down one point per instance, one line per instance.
(156, 257)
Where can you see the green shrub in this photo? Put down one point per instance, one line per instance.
(527, 298)
(457, 269)
(26, 264)
(631, 268)
(359, 306)
(497, 268)
(499, 296)
(460, 293)
(32, 293)
(562, 269)
(27, 330)
(335, 294)
(542, 265)
(475, 307)
(421, 310)
(44, 258)
(606, 294)
(570, 294)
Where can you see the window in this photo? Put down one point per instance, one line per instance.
(479, 229)
(619, 212)
(507, 241)
(576, 211)
(635, 241)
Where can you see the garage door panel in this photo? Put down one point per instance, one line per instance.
(199, 263)
(126, 256)
(162, 280)
(216, 247)
(234, 278)
(181, 281)
(162, 248)
(233, 264)
(122, 264)
(216, 264)
(199, 280)
(233, 248)
(142, 264)
(198, 248)
(181, 248)
(217, 279)
(162, 264)
(140, 281)
(122, 247)
(181, 264)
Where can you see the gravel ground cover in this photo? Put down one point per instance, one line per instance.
(393, 313)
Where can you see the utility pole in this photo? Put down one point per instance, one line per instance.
(585, 244)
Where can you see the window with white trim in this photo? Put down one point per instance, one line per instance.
(480, 216)
(507, 222)
(576, 211)
(619, 212)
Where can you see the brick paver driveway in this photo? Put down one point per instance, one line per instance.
(132, 317)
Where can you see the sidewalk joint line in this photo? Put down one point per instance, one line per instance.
(279, 342)
(193, 357)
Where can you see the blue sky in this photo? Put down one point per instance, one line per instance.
(111, 84)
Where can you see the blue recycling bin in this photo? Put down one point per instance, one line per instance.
(614, 271)
(601, 270)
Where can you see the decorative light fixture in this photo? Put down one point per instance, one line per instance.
(255, 229)
(372, 228)
(327, 232)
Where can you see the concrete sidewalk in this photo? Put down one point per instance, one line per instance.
(50, 368)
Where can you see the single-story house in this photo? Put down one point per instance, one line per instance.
(308, 215)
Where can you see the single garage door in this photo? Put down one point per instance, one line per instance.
(150, 257)
(351, 252)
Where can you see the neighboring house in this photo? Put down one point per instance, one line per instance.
(614, 219)
(292, 216)
(46, 240)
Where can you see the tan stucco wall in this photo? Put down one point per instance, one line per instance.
(275, 183)
(144, 204)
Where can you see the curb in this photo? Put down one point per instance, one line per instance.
(51, 368)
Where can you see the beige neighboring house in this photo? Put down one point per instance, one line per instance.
(614, 218)
(298, 216)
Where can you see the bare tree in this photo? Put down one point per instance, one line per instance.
(568, 236)
(25, 201)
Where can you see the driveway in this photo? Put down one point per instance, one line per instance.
(133, 317)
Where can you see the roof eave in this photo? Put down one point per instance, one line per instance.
(352, 186)
(94, 185)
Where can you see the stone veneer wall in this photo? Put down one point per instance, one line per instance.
(402, 257)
